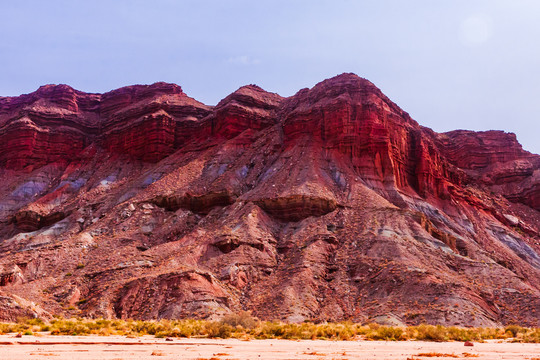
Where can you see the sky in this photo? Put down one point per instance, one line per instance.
(451, 64)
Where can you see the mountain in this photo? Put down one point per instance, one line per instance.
(330, 204)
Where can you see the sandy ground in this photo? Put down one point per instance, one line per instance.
(119, 347)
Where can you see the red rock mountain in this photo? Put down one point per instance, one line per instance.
(331, 204)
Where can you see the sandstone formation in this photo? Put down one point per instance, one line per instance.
(331, 204)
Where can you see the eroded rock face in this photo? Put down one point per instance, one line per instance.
(248, 108)
(142, 121)
(14, 308)
(352, 119)
(200, 204)
(57, 122)
(296, 207)
(195, 295)
(10, 275)
(479, 150)
(331, 204)
(28, 220)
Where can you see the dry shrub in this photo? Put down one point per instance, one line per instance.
(431, 333)
(244, 326)
(515, 330)
(388, 333)
(215, 329)
(243, 319)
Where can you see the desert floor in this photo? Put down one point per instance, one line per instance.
(118, 347)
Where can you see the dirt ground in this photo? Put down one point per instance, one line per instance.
(118, 347)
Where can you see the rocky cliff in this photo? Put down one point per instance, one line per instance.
(331, 204)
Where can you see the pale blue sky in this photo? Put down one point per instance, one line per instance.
(451, 64)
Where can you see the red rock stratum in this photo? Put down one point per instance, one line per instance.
(331, 204)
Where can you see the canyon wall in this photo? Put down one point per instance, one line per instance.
(331, 204)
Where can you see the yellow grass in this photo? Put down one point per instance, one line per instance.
(243, 326)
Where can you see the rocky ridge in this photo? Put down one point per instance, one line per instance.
(331, 204)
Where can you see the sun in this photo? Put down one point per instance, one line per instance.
(476, 30)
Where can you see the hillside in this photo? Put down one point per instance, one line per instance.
(330, 204)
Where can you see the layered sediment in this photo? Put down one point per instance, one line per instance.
(331, 204)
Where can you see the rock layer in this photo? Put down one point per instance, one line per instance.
(331, 204)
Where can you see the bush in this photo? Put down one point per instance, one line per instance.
(243, 325)
(218, 330)
(243, 319)
(514, 330)
(431, 333)
(387, 333)
(532, 337)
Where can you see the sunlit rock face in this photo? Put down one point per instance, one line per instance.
(331, 204)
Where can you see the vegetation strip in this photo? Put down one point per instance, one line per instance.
(244, 326)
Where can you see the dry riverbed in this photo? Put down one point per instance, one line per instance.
(146, 347)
